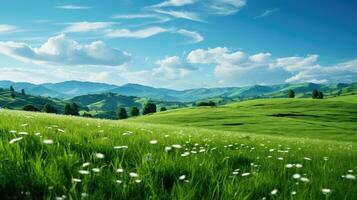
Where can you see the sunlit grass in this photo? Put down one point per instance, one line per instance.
(73, 158)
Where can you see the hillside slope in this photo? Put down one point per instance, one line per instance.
(334, 118)
(32, 89)
(20, 100)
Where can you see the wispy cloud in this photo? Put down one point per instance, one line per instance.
(196, 37)
(268, 13)
(181, 14)
(6, 28)
(72, 7)
(160, 18)
(87, 26)
(143, 33)
(225, 7)
(175, 3)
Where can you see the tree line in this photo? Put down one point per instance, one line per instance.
(315, 94)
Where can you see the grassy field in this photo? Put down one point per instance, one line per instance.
(299, 156)
(331, 119)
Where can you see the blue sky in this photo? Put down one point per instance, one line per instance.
(179, 43)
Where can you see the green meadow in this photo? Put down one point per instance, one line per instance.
(258, 149)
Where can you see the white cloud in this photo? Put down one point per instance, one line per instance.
(196, 37)
(260, 57)
(72, 7)
(87, 26)
(172, 68)
(307, 69)
(175, 3)
(226, 7)
(293, 64)
(268, 13)
(236, 68)
(218, 55)
(143, 33)
(6, 28)
(181, 14)
(60, 50)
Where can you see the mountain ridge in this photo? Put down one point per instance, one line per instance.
(71, 89)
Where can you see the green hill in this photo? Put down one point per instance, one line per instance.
(334, 118)
(20, 100)
(32, 89)
(105, 105)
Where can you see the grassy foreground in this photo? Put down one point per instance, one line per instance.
(47, 156)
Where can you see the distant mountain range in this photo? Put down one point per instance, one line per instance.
(71, 89)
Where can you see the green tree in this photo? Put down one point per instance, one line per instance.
(315, 94)
(163, 109)
(12, 90)
(30, 108)
(74, 109)
(149, 108)
(339, 93)
(23, 92)
(203, 103)
(48, 108)
(67, 109)
(321, 95)
(134, 112)
(291, 94)
(122, 114)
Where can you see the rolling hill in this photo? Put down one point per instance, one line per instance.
(70, 89)
(334, 118)
(20, 100)
(76, 88)
(105, 105)
(32, 89)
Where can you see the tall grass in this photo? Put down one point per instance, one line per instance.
(88, 159)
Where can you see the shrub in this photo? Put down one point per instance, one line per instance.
(149, 108)
(291, 94)
(134, 112)
(30, 108)
(48, 108)
(122, 114)
(202, 103)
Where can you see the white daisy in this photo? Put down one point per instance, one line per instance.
(96, 170)
(245, 174)
(176, 146)
(133, 174)
(153, 141)
(99, 155)
(76, 180)
(326, 191)
(274, 192)
(48, 141)
(15, 140)
(84, 172)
